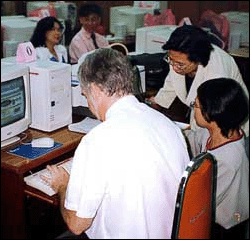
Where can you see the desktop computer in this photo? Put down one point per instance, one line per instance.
(19, 29)
(16, 29)
(50, 91)
(50, 86)
(127, 16)
(239, 29)
(66, 11)
(151, 39)
(15, 102)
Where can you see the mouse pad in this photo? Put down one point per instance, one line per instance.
(25, 150)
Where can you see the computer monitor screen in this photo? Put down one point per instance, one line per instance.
(126, 16)
(12, 101)
(15, 102)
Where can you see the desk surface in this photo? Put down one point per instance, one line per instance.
(70, 141)
(14, 192)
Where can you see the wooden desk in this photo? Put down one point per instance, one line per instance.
(13, 189)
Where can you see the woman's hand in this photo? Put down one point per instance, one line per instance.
(150, 101)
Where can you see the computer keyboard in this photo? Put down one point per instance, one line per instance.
(35, 180)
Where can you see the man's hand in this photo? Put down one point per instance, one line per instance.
(59, 178)
(59, 181)
(178, 111)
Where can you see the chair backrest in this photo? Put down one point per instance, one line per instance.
(219, 27)
(165, 18)
(195, 203)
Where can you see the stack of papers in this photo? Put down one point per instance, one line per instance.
(84, 126)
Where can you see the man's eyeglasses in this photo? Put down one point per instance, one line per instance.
(181, 66)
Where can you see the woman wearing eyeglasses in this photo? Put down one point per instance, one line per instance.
(193, 60)
(46, 40)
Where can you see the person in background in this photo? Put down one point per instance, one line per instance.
(126, 171)
(87, 39)
(46, 40)
(193, 59)
(219, 109)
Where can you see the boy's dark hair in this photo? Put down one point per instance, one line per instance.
(38, 38)
(87, 9)
(223, 100)
(191, 40)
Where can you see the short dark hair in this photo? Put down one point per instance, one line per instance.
(223, 100)
(38, 38)
(110, 70)
(191, 40)
(87, 9)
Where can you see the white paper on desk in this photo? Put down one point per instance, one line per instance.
(84, 126)
(182, 125)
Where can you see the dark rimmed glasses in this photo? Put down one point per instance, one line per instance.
(181, 66)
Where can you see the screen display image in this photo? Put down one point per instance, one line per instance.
(12, 101)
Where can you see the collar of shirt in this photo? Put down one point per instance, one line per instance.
(208, 147)
(85, 33)
(123, 102)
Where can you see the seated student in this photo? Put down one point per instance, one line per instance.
(220, 108)
(126, 171)
(46, 38)
(87, 39)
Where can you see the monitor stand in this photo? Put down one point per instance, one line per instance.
(9, 141)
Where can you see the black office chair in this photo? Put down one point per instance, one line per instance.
(156, 69)
(195, 204)
(137, 85)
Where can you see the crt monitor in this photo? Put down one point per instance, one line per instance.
(15, 102)
(131, 17)
(16, 29)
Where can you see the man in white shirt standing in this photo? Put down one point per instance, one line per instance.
(126, 171)
(87, 39)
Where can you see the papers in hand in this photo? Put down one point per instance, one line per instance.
(84, 126)
(35, 180)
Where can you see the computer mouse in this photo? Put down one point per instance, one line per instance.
(43, 142)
